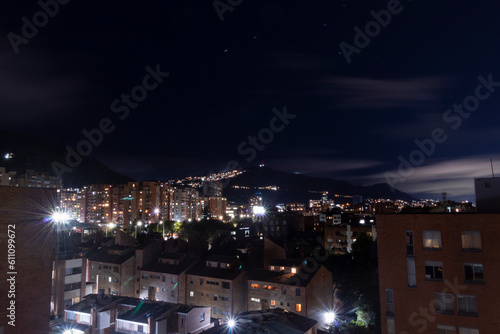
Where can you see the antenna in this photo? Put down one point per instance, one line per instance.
(492, 174)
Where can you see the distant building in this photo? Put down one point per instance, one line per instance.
(487, 194)
(34, 179)
(357, 199)
(212, 189)
(213, 207)
(340, 237)
(186, 204)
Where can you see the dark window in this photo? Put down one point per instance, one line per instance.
(467, 305)
(389, 301)
(409, 243)
(226, 285)
(433, 270)
(444, 303)
(297, 291)
(474, 272)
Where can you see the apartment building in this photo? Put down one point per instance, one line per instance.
(213, 207)
(100, 313)
(23, 212)
(165, 279)
(438, 273)
(292, 285)
(219, 282)
(186, 204)
(112, 269)
(338, 238)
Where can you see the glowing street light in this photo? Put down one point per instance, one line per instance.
(60, 217)
(139, 223)
(329, 317)
(231, 323)
(259, 210)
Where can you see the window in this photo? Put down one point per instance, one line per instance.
(471, 240)
(389, 301)
(433, 271)
(255, 300)
(191, 293)
(202, 317)
(215, 296)
(225, 299)
(282, 268)
(172, 280)
(201, 281)
(444, 303)
(281, 303)
(409, 243)
(412, 276)
(215, 309)
(191, 280)
(255, 286)
(163, 289)
(155, 276)
(473, 273)
(297, 291)
(467, 305)
(432, 239)
(144, 276)
(144, 287)
(182, 322)
(463, 330)
(115, 269)
(283, 290)
(172, 293)
(272, 267)
(71, 316)
(391, 326)
(273, 303)
(84, 318)
(226, 285)
(294, 270)
(298, 307)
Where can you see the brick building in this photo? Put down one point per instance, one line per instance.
(22, 212)
(438, 273)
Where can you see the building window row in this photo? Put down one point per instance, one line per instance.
(445, 303)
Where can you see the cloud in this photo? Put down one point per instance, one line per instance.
(368, 93)
(454, 176)
(321, 166)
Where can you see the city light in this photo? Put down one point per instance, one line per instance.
(231, 323)
(329, 317)
(259, 210)
(139, 223)
(60, 217)
(157, 211)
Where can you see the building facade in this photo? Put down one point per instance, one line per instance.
(452, 264)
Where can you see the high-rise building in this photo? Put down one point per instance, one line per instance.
(186, 204)
(26, 265)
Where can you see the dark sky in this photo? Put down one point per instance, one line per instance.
(353, 120)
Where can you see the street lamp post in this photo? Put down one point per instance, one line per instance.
(139, 223)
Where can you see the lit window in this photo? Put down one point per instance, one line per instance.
(294, 270)
(255, 286)
(282, 268)
(191, 293)
(272, 267)
(463, 330)
(471, 240)
(298, 307)
(432, 239)
(273, 303)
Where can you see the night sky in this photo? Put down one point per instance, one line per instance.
(347, 120)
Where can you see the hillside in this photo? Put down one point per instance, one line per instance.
(301, 188)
